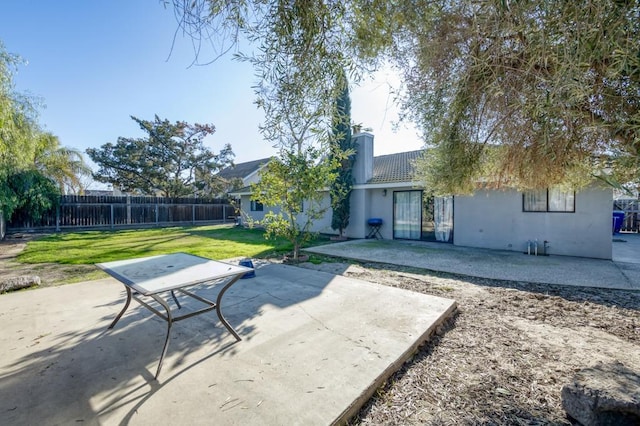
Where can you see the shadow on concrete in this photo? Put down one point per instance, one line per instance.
(59, 380)
(57, 384)
(307, 353)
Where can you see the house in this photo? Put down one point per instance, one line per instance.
(243, 174)
(546, 222)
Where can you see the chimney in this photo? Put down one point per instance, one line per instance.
(363, 165)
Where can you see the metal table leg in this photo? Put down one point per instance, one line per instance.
(175, 299)
(218, 309)
(169, 319)
(126, 305)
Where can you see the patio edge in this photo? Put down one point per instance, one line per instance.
(366, 395)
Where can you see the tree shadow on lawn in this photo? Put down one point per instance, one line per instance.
(60, 370)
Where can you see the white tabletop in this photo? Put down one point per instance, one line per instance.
(155, 274)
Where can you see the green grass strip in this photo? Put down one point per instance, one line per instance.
(214, 242)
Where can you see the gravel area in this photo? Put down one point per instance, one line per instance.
(504, 358)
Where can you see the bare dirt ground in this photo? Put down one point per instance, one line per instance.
(50, 274)
(502, 360)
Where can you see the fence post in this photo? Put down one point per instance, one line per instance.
(157, 212)
(111, 221)
(193, 214)
(58, 218)
(128, 210)
(224, 213)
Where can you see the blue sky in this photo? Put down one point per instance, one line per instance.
(96, 63)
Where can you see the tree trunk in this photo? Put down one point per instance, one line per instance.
(296, 251)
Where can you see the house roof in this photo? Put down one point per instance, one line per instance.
(242, 191)
(391, 168)
(394, 167)
(242, 170)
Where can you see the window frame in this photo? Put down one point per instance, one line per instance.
(256, 206)
(547, 209)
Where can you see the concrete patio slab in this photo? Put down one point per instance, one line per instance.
(626, 248)
(315, 347)
(494, 264)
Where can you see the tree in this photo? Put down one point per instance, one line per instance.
(34, 168)
(293, 183)
(32, 194)
(172, 160)
(31, 161)
(519, 94)
(342, 150)
(17, 115)
(526, 94)
(297, 95)
(65, 166)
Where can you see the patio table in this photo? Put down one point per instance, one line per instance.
(156, 277)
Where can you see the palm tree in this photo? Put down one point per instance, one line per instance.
(66, 166)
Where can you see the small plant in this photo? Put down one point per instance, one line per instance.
(289, 186)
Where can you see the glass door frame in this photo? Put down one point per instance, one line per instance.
(422, 236)
(419, 224)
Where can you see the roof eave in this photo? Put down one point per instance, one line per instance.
(387, 185)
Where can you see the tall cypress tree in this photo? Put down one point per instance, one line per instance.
(342, 149)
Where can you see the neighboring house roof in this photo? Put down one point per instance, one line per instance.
(242, 191)
(394, 167)
(98, 192)
(243, 170)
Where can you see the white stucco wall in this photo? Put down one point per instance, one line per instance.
(381, 206)
(495, 220)
(373, 202)
(358, 212)
(322, 225)
(245, 206)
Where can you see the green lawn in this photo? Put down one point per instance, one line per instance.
(215, 242)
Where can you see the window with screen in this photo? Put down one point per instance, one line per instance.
(549, 200)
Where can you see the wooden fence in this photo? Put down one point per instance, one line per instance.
(631, 216)
(100, 212)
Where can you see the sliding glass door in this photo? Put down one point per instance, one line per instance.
(407, 215)
(417, 219)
